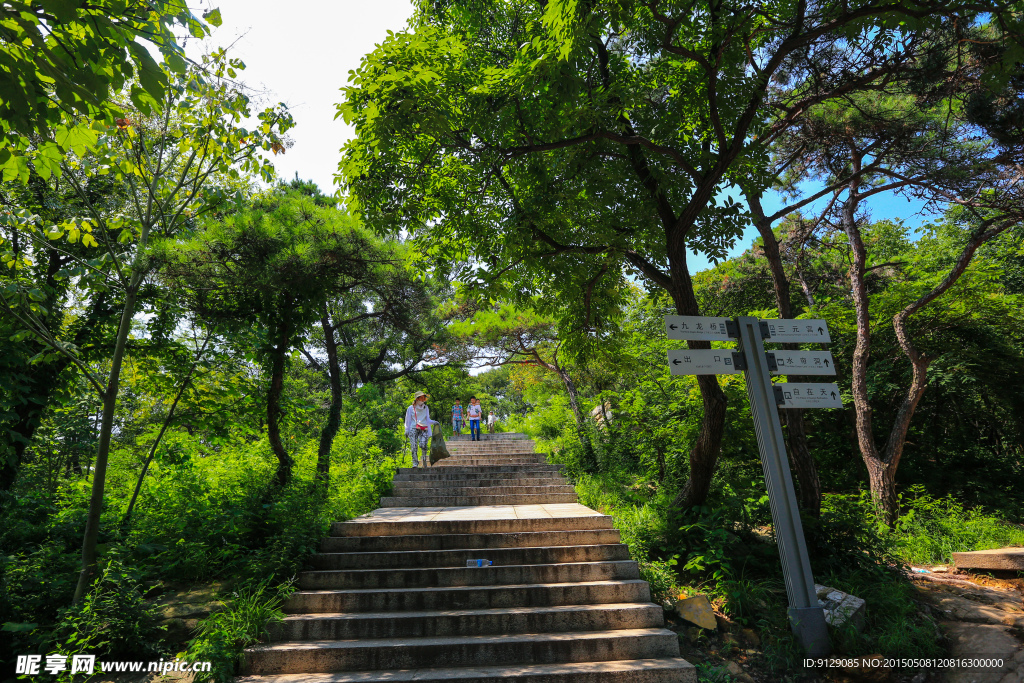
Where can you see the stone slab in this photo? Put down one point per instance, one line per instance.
(418, 577)
(527, 539)
(1007, 559)
(469, 597)
(433, 623)
(457, 557)
(663, 670)
(515, 648)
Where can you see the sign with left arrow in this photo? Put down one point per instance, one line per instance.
(800, 395)
(705, 362)
(698, 328)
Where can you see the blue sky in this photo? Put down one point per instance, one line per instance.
(884, 206)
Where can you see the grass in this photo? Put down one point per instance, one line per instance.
(221, 637)
(931, 529)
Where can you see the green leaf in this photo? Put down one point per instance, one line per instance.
(213, 17)
(12, 627)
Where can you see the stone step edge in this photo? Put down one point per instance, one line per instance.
(453, 526)
(498, 567)
(529, 535)
(483, 611)
(442, 641)
(486, 587)
(567, 672)
(434, 551)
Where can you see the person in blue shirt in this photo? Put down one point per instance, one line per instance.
(457, 417)
(475, 413)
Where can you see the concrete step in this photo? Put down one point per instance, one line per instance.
(505, 575)
(530, 539)
(465, 449)
(1005, 559)
(662, 670)
(475, 460)
(473, 501)
(525, 470)
(468, 597)
(422, 559)
(471, 526)
(441, 478)
(430, 624)
(400, 489)
(482, 650)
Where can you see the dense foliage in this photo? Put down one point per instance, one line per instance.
(202, 366)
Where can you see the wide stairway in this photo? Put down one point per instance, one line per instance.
(392, 598)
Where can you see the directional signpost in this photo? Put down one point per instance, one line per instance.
(792, 395)
(766, 399)
(801, 363)
(705, 362)
(796, 331)
(698, 328)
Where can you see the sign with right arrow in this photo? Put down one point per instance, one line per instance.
(801, 363)
(796, 331)
(800, 395)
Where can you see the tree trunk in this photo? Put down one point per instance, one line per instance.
(802, 462)
(330, 430)
(806, 470)
(277, 362)
(163, 429)
(704, 454)
(881, 478)
(99, 476)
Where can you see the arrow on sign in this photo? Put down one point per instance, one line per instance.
(827, 363)
(675, 361)
(833, 394)
(673, 327)
(821, 331)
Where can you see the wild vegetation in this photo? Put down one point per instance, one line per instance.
(202, 365)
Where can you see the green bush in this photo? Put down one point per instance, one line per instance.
(221, 638)
(112, 620)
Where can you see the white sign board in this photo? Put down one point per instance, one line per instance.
(696, 327)
(702, 362)
(802, 363)
(797, 331)
(809, 395)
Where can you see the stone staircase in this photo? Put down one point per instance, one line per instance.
(390, 596)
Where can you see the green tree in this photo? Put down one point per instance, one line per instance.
(269, 271)
(183, 160)
(61, 57)
(601, 138)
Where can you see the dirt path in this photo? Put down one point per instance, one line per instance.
(981, 618)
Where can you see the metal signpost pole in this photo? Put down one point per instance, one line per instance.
(805, 614)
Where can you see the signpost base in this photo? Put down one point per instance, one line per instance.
(811, 630)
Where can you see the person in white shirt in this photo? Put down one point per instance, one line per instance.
(418, 428)
(491, 422)
(475, 412)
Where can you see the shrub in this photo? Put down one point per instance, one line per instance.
(112, 619)
(221, 638)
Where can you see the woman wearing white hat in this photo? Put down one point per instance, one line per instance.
(418, 428)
